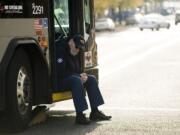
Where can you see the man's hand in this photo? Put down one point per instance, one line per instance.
(84, 77)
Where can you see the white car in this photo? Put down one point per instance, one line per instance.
(177, 17)
(153, 21)
(104, 24)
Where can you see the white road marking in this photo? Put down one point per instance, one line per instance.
(142, 109)
(122, 109)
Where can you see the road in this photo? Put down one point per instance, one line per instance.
(143, 67)
(139, 79)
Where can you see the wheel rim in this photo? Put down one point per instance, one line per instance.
(23, 90)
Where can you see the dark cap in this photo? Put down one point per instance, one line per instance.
(79, 42)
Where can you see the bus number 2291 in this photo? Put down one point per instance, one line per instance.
(37, 9)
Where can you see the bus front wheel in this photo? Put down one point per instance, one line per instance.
(19, 91)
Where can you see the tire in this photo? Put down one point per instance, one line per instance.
(141, 29)
(19, 91)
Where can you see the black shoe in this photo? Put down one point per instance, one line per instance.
(82, 120)
(98, 116)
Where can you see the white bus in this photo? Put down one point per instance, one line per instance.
(28, 31)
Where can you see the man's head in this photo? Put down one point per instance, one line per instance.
(76, 43)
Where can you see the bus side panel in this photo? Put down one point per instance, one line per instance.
(16, 28)
(2, 93)
(39, 67)
(4, 41)
(36, 28)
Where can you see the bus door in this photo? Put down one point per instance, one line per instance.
(61, 31)
(90, 56)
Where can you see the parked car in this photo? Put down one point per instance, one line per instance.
(177, 17)
(104, 24)
(130, 20)
(153, 21)
(133, 19)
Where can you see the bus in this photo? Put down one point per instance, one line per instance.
(28, 32)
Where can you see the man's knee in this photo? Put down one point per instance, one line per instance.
(75, 79)
(91, 78)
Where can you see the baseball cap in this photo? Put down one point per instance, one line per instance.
(79, 42)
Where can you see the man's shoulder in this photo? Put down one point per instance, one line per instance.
(61, 42)
(61, 45)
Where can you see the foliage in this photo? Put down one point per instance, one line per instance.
(101, 5)
(124, 4)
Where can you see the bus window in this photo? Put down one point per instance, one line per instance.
(61, 12)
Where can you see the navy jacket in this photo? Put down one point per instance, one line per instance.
(66, 64)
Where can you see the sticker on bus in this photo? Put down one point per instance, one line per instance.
(23, 8)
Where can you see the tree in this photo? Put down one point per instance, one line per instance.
(130, 3)
(156, 4)
(101, 5)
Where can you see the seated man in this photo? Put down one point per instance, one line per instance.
(70, 77)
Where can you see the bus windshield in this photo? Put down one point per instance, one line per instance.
(61, 11)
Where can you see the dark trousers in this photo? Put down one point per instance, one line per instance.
(75, 84)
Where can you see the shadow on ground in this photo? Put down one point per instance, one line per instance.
(59, 122)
